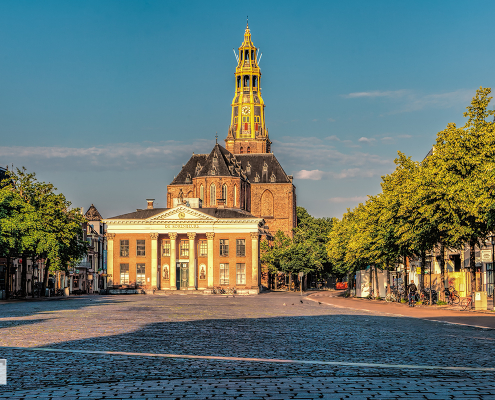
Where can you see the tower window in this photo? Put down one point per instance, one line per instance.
(255, 81)
(213, 194)
(241, 54)
(246, 81)
(241, 150)
(202, 193)
(246, 55)
(224, 194)
(248, 150)
(238, 82)
(252, 54)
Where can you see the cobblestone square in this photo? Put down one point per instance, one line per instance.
(217, 347)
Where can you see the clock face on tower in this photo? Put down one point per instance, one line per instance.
(245, 110)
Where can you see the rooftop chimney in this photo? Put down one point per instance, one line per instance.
(150, 203)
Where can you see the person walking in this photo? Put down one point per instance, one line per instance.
(412, 289)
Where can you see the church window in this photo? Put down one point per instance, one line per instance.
(235, 195)
(267, 204)
(203, 248)
(224, 274)
(213, 194)
(224, 193)
(246, 81)
(248, 150)
(241, 150)
(166, 248)
(255, 81)
(240, 247)
(188, 178)
(240, 274)
(141, 248)
(184, 248)
(141, 274)
(202, 193)
(124, 248)
(224, 247)
(124, 274)
(273, 178)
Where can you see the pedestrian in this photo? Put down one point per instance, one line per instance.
(412, 289)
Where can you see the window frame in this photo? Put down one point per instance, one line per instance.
(240, 273)
(240, 248)
(122, 253)
(224, 274)
(141, 274)
(184, 248)
(166, 246)
(224, 247)
(140, 248)
(203, 248)
(124, 281)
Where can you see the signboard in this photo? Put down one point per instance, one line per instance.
(486, 256)
(418, 270)
(301, 274)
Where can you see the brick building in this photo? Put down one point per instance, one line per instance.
(219, 207)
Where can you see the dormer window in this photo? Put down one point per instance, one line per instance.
(273, 178)
(213, 171)
(188, 178)
(248, 168)
(265, 167)
(257, 178)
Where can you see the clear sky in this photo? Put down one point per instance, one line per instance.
(107, 99)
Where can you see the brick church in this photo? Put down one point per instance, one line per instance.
(232, 196)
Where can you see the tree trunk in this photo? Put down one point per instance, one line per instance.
(389, 289)
(423, 263)
(472, 266)
(24, 275)
(442, 270)
(7, 278)
(290, 282)
(33, 261)
(45, 276)
(406, 283)
(371, 279)
(377, 286)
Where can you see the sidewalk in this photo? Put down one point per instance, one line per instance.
(480, 319)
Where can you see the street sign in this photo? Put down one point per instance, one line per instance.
(486, 256)
(301, 274)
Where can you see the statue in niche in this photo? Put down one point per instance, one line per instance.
(165, 272)
(202, 272)
(180, 197)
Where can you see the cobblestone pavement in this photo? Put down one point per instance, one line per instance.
(373, 353)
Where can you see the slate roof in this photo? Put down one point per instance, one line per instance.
(214, 212)
(2, 173)
(257, 168)
(93, 214)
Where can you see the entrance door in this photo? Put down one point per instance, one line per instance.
(182, 275)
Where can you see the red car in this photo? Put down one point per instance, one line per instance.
(341, 285)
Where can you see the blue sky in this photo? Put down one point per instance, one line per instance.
(107, 100)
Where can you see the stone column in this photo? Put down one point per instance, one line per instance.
(173, 281)
(192, 261)
(110, 272)
(254, 260)
(210, 236)
(154, 260)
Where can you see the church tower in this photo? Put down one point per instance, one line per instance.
(247, 131)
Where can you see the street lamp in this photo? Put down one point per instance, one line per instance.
(428, 261)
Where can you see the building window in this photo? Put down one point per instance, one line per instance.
(240, 274)
(224, 247)
(140, 274)
(184, 248)
(240, 247)
(265, 167)
(202, 193)
(141, 248)
(224, 194)
(124, 274)
(203, 248)
(166, 248)
(235, 195)
(124, 248)
(213, 194)
(248, 168)
(224, 274)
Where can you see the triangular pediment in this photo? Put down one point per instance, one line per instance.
(182, 213)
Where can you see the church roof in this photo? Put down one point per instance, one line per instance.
(214, 212)
(255, 167)
(93, 214)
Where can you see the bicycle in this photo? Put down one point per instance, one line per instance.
(452, 296)
(466, 303)
(371, 294)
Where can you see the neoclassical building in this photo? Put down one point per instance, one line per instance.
(219, 206)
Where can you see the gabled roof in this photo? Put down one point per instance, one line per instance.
(220, 162)
(213, 212)
(256, 167)
(93, 214)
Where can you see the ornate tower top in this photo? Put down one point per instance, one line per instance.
(247, 131)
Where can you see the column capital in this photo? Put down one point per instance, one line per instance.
(255, 235)
(210, 235)
(191, 235)
(172, 235)
(154, 235)
(110, 236)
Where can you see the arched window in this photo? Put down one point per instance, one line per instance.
(202, 193)
(255, 81)
(246, 81)
(235, 195)
(266, 205)
(241, 150)
(246, 55)
(238, 81)
(224, 193)
(248, 150)
(213, 195)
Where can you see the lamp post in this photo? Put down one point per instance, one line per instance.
(428, 261)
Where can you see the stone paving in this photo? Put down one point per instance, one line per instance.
(259, 327)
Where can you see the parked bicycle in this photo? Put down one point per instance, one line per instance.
(467, 303)
(452, 296)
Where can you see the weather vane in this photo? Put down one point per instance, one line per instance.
(216, 137)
